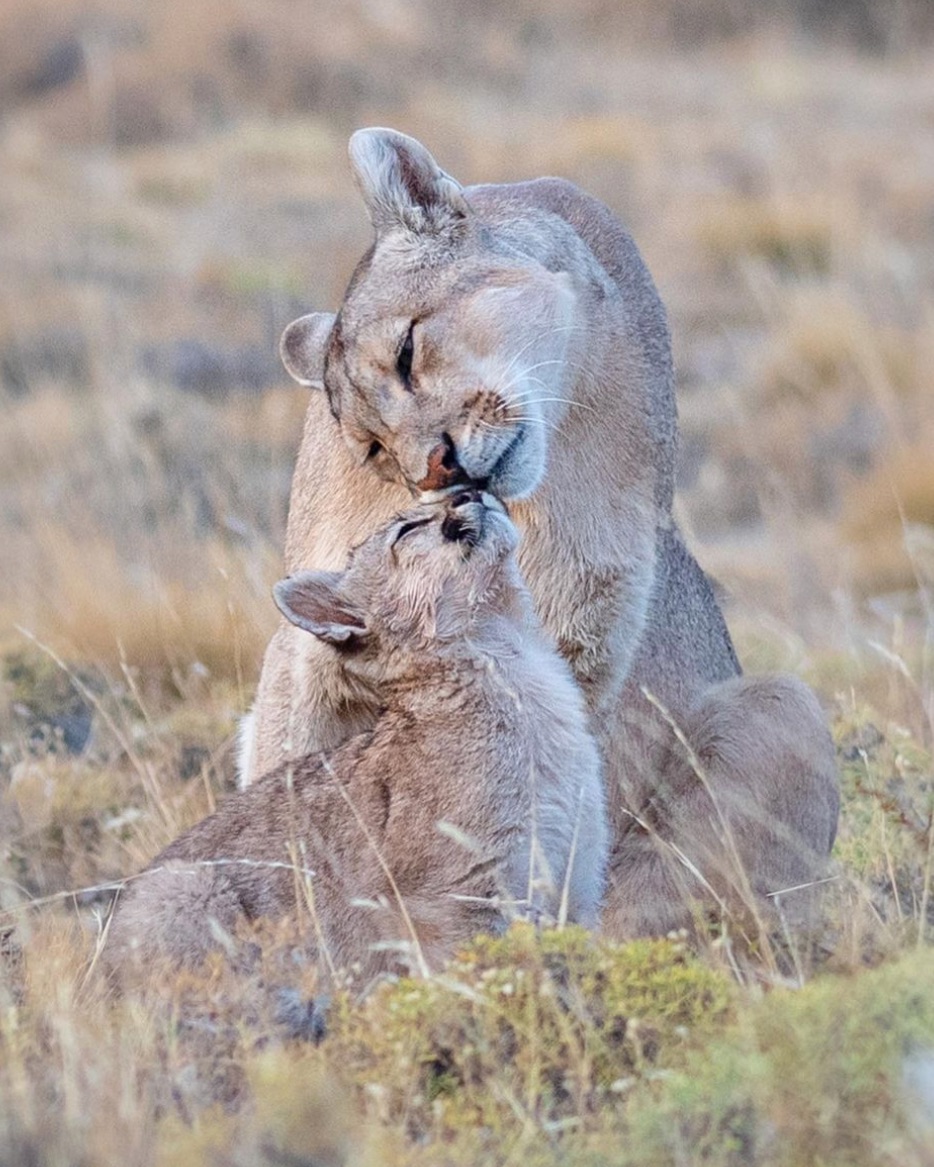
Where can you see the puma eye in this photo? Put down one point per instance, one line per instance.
(404, 359)
(375, 448)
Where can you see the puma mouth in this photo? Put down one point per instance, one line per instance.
(507, 478)
(488, 482)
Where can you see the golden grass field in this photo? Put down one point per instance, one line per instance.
(173, 190)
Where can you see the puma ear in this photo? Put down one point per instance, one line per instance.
(313, 600)
(303, 346)
(402, 185)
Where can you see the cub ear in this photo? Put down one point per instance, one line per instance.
(402, 185)
(303, 346)
(313, 600)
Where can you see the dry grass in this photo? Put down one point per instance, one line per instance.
(182, 179)
(888, 521)
(795, 238)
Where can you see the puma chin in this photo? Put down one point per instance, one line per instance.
(517, 471)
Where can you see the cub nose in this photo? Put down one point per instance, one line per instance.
(463, 522)
(443, 467)
(463, 497)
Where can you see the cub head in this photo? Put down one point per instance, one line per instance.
(447, 362)
(425, 580)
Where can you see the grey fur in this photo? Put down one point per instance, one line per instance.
(475, 795)
(540, 347)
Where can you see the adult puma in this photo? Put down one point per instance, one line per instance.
(511, 336)
(476, 795)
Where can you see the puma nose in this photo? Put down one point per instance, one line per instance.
(443, 467)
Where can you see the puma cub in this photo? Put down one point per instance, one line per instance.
(476, 794)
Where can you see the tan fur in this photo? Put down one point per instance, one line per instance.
(735, 817)
(513, 333)
(479, 780)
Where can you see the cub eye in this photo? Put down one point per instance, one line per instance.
(375, 448)
(404, 359)
(406, 527)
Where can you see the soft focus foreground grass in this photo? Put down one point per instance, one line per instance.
(552, 1047)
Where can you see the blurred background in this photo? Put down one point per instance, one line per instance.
(174, 190)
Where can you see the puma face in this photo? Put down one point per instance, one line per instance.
(447, 362)
(425, 580)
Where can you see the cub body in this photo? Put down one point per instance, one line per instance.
(475, 795)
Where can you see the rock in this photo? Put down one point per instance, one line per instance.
(60, 65)
(57, 715)
(55, 355)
